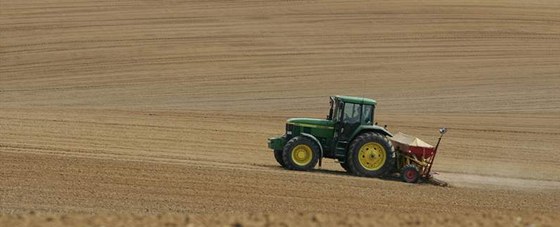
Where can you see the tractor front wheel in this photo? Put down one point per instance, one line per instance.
(345, 166)
(371, 155)
(278, 157)
(300, 153)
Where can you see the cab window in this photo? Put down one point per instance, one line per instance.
(368, 114)
(352, 113)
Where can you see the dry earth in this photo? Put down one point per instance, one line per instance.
(156, 113)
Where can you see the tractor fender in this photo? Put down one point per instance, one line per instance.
(318, 143)
(371, 128)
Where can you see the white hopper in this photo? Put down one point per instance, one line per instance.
(401, 139)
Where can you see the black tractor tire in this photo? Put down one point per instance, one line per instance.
(345, 166)
(380, 155)
(306, 154)
(278, 157)
(410, 173)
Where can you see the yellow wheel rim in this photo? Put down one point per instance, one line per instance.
(372, 156)
(302, 155)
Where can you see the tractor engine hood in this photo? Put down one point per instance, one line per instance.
(311, 122)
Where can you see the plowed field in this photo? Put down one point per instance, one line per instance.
(138, 113)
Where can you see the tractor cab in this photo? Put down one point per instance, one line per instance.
(348, 114)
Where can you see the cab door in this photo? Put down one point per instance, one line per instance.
(350, 121)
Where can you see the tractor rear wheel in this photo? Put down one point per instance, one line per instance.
(410, 173)
(278, 157)
(300, 153)
(371, 155)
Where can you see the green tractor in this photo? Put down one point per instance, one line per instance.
(347, 135)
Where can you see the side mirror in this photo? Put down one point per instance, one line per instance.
(442, 131)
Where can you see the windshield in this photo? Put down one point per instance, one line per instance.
(331, 110)
(336, 110)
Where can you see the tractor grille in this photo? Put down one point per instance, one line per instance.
(289, 127)
(289, 131)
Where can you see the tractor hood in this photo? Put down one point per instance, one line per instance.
(311, 122)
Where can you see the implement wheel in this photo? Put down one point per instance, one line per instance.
(371, 155)
(278, 157)
(300, 153)
(410, 173)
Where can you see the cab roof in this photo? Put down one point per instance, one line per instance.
(357, 100)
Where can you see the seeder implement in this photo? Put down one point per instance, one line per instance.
(415, 158)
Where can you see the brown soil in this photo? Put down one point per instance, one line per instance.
(155, 113)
